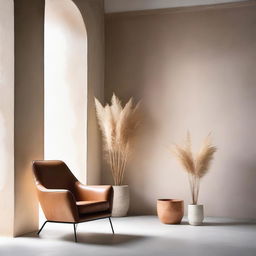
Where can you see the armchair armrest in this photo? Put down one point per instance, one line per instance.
(94, 193)
(57, 204)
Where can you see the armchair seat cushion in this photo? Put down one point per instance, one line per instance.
(85, 207)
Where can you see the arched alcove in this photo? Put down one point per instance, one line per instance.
(65, 102)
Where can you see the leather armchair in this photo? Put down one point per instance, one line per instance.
(65, 200)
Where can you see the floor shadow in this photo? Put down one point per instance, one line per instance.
(93, 238)
(104, 239)
(183, 223)
(31, 235)
(212, 223)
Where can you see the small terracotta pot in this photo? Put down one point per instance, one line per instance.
(170, 211)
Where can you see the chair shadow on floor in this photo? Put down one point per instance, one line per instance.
(104, 238)
(92, 238)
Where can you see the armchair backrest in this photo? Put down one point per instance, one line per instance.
(54, 174)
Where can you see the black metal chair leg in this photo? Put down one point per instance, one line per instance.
(75, 232)
(41, 227)
(111, 225)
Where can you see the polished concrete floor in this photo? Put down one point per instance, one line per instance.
(143, 235)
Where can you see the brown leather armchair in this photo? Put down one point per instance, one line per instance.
(65, 200)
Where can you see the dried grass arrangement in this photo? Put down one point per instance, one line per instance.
(195, 165)
(118, 125)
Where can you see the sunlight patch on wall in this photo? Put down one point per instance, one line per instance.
(66, 85)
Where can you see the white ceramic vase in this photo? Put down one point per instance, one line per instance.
(121, 201)
(195, 214)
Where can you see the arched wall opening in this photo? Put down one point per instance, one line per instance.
(65, 86)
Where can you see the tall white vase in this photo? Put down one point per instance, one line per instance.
(195, 214)
(121, 201)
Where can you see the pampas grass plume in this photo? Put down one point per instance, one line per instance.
(117, 125)
(195, 165)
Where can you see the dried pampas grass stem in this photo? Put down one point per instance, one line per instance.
(196, 166)
(117, 125)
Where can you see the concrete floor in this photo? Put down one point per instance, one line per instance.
(143, 235)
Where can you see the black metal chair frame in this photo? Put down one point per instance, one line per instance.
(75, 225)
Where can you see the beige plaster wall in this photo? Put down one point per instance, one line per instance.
(93, 14)
(194, 69)
(6, 117)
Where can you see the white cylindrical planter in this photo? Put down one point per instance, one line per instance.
(121, 201)
(195, 214)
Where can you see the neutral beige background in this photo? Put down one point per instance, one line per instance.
(193, 68)
(6, 117)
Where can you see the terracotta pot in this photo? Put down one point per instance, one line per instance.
(170, 211)
(121, 201)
